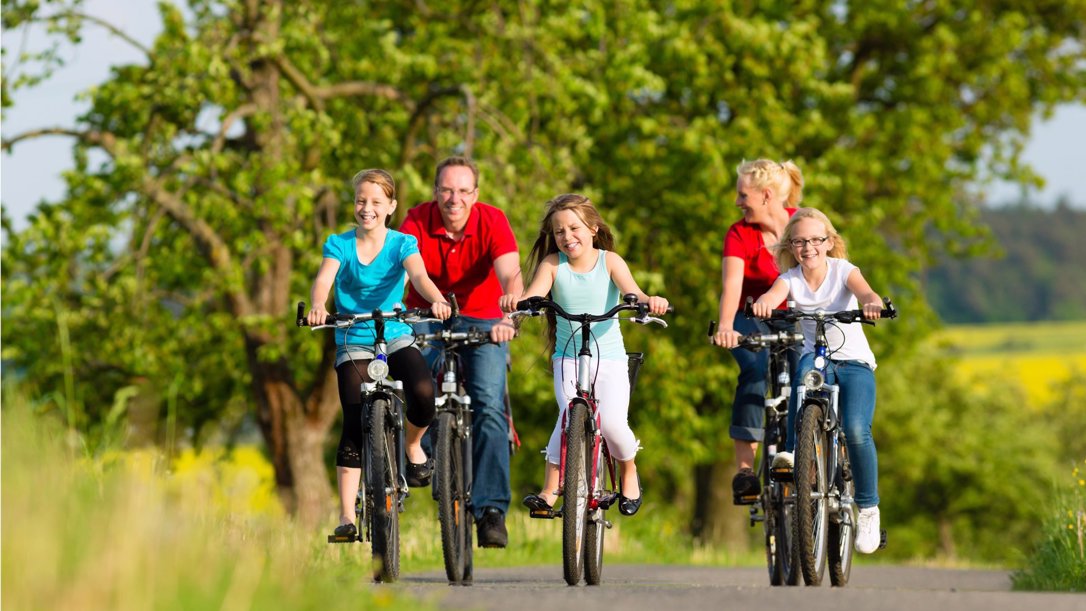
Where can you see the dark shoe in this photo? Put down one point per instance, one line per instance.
(346, 530)
(628, 507)
(419, 474)
(745, 487)
(537, 507)
(491, 528)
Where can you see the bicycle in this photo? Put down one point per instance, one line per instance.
(453, 450)
(773, 506)
(383, 487)
(825, 507)
(586, 465)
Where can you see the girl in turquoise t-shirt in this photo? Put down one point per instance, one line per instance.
(573, 262)
(368, 266)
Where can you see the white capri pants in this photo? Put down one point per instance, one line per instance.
(612, 384)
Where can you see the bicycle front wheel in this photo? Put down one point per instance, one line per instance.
(812, 486)
(452, 506)
(780, 535)
(381, 480)
(575, 494)
(842, 535)
(597, 521)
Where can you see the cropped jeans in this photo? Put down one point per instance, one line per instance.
(748, 408)
(483, 371)
(856, 407)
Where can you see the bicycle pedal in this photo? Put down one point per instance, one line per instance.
(543, 514)
(882, 539)
(782, 475)
(341, 539)
(745, 499)
(606, 501)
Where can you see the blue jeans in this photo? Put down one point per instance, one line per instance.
(856, 406)
(483, 372)
(748, 408)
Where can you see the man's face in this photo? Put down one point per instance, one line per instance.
(455, 194)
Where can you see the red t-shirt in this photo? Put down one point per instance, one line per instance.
(464, 267)
(744, 240)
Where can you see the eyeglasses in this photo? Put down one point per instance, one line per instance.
(447, 192)
(811, 241)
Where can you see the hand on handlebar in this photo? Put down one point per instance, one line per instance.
(872, 311)
(761, 310)
(726, 338)
(441, 310)
(317, 315)
(508, 302)
(657, 305)
(503, 331)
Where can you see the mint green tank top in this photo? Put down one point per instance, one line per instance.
(592, 292)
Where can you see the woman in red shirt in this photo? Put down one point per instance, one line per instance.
(768, 193)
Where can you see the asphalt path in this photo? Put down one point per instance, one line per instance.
(678, 588)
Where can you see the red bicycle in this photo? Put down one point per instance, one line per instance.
(588, 481)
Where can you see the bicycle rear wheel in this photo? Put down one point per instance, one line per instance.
(842, 535)
(575, 495)
(811, 516)
(452, 507)
(381, 481)
(597, 521)
(780, 536)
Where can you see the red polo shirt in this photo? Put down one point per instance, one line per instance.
(744, 240)
(464, 267)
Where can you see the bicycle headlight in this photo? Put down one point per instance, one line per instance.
(377, 369)
(813, 380)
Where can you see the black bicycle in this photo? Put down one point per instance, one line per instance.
(773, 506)
(453, 450)
(825, 506)
(383, 486)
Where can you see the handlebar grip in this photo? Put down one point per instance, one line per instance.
(889, 311)
(748, 307)
(528, 304)
(454, 304)
(712, 328)
(300, 319)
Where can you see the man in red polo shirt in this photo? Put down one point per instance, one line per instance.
(469, 250)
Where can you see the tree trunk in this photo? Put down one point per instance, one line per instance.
(717, 521)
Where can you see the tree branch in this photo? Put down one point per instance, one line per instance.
(119, 33)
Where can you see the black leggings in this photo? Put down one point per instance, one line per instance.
(406, 365)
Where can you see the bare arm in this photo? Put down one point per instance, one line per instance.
(624, 280)
(868, 298)
(541, 284)
(763, 306)
(507, 270)
(318, 295)
(732, 282)
(416, 273)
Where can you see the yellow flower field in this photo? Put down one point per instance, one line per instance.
(1037, 356)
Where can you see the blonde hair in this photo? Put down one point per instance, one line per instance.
(785, 178)
(382, 179)
(782, 250)
(545, 244)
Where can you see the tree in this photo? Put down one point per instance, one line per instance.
(226, 157)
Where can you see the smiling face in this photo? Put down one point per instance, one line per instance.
(805, 233)
(455, 193)
(372, 206)
(572, 235)
(753, 201)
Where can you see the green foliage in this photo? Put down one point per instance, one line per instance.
(1058, 563)
(1035, 276)
(208, 177)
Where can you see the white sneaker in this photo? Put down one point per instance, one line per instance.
(868, 533)
(783, 460)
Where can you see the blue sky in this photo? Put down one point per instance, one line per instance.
(32, 172)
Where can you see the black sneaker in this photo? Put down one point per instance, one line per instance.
(418, 475)
(745, 487)
(491, 528)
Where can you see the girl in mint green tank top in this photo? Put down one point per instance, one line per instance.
(573, 260)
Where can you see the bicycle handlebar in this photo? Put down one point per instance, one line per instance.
(471, 337)
(411, 315)
(532, 306)
(792, 315)
(759, 341)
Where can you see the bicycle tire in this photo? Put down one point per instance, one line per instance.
(381, 481)
(787, 552)
(597, 522)
(811, 483)
(575, 495)
(842, 535)
(770, 503)
(452, 508)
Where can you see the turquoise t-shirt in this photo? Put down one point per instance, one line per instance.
(361, 288)
(590, 293)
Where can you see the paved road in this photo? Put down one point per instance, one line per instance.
(675, 588)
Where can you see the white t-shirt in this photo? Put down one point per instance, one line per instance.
(847, 342)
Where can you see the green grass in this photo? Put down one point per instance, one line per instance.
(1009, 338)
(1059, 563)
